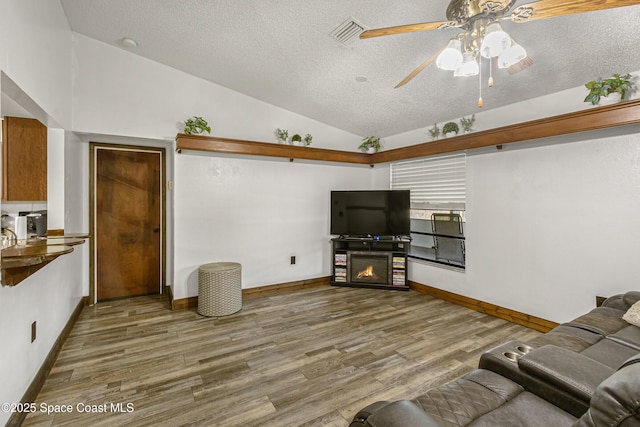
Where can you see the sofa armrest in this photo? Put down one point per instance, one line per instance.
(567, 370)
(401, 413)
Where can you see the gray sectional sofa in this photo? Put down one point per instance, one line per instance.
(585, 372)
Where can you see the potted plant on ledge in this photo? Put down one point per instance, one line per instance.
(434, 131)
(450, 129)
(370, 144)
(282, 135)
(614, 89)
(196, 125)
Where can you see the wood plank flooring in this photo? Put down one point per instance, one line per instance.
(307, 358)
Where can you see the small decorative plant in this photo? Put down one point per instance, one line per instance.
(196, 125)
(467, 123)
(370, 144)
(434, 131)
(307, 139)
(282, 135)
(296, 139)
(621, 84)
(450, 127)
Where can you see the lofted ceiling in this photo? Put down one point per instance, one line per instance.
(281, 52)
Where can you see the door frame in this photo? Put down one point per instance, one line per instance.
(94, 147)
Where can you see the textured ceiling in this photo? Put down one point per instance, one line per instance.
(280, 51)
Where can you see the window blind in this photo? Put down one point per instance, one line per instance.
(435, 182)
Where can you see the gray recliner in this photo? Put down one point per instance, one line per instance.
(483, 398)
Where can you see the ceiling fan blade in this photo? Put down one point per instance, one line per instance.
(422, 66)
(550, 8)
(408, 29)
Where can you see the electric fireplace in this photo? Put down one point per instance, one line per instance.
(370, 267)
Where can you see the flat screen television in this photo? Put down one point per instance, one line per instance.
(370, 213)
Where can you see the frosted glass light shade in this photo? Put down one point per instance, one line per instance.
(495, 41)
(513, 55)
(469, 66)
(450, 58)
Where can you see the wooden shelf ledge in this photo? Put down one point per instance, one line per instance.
(589, 119)
(238, 146)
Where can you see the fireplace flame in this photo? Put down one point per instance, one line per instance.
(367, 273)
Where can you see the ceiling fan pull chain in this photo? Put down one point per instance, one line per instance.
(490, 83)
(480, 102)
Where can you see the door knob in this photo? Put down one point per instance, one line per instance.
(156, 229)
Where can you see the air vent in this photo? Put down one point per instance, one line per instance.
(348, 31)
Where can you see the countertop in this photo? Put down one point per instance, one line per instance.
(25, 258)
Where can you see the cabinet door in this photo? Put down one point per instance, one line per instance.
(24, 160)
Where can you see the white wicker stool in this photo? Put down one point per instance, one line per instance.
(219, 288)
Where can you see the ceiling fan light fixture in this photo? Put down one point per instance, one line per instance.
(451, 57)
(495, 41)
(469, 66)
(511, 56)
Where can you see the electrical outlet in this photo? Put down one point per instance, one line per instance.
(33, 331)
(293, 259)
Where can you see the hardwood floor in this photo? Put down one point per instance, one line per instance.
(312, 357)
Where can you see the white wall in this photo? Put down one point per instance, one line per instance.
(55, 179)
(549, 226)
(258, 212)
(35, 53)
(48, 297)
(120, 94)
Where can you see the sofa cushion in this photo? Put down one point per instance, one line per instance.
(632, 316)
(571, 338)
(526, 410)
(398, 413)
(459, 402)
(610, 353)
(601, 320)
(629, 336)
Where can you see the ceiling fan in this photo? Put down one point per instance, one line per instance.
(482, 36)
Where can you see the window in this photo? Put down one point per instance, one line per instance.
(438, 201)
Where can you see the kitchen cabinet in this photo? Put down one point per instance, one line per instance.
(24, 160)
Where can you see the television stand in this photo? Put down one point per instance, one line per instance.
(370, 262)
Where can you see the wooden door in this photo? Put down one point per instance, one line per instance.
(128, 222)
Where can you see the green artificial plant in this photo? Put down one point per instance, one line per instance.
(599, 88)
(467, 123)
(370, 142)
(307, 139)
(434, 131)
(450, 127)
(282, 134)
(196, 125)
